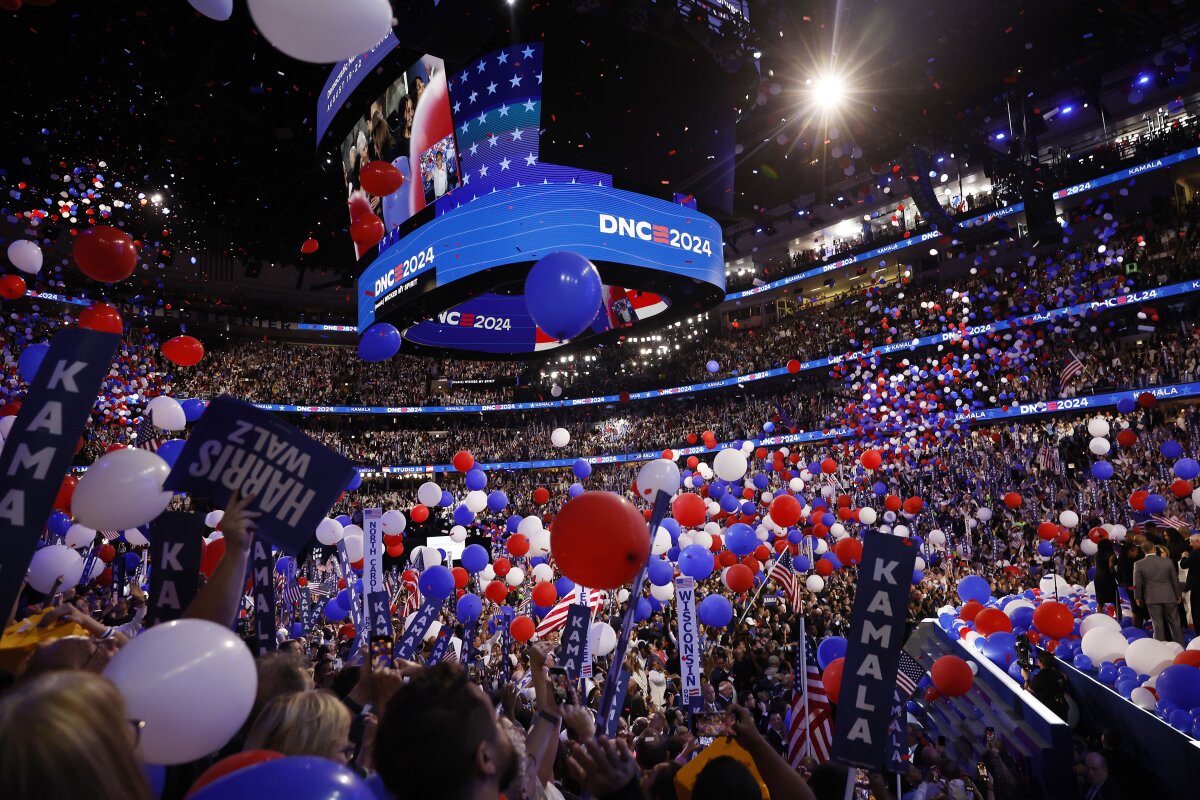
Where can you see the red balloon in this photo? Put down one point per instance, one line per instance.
(831, 679)
(1181, 488)
(872, 459)
(309, 246)
(1053, 619)
(793, 366)
(726, 559)
(1138, 499)
(105, 254)
(541, 496)
(12, 287)
(824, 567)
(101, 317)
(460, 577)
(848, 550)
(1047, 531)
(211, 555)
(785, 510)
(522, 628)
(186, 351)
(913, 505)
(419, 513)
(952, 676)
(463, 461)
(395, 550)
(501, 567)
(517, 544)
(932, 695)
(970, 610)
(740, 578)
(231, 764)
(497, 592)
(1147, 400)
(367, 230)
(380, 178)
(991, 620)
(829, 466)
(66, 490)
(1127, 438)
(1013, 500)
(544, 594)
(357, 566)
(762, 553)
(107, 553)
(689, 510)
(892, 503)
(599, 540)
(1189, 658)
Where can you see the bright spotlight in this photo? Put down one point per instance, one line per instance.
(828, 90)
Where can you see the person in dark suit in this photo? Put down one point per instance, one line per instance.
(1191, 562)
(1156, 585)
(1100, 787)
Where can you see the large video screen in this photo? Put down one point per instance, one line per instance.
(411, 127)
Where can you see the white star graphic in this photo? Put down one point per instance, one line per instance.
(466, 178)
(473, 96)
(518, 186)
(493, 140)
(465, 75)
(527, 52)
(516, 134)
(474, 146)
(503, 58)
(483, 118)
(529, 105)
(504, 162)
(483, 171)
(530, 160)
(504, 111)
(482, 66)
(539, 77)
(466, 126)
(456, 106)
(491, 87)
(515, 80)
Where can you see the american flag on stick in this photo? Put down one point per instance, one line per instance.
(145, 435)
(909, 674)
(811, 730)
(1072, 368)
(557, 617)
(1171, 521)
(785, 577)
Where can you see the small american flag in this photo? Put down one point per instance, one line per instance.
(110, 535)
(145, 435)
(413, 601)
(782, 573)
(1048, 458)
(1072, 368)
(909, 674)
(291, 593)
(1171, 521)
(557, 616)
(812, 718)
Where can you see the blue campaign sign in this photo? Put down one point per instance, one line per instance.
(873, 651)
(237, 447)
(524, 223)
(345, 77)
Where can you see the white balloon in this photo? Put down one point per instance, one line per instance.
(1103, 643)
(539, 543)
(1148, 656)
(1054, 585)
(213, 518)
(622, 595)
(166, 413)
(662, 593)
(1099, 446)
(220, 10)
(814, 583)
(52, 562)
(560, 437)
(1012, 607)
(983, 514)
(661, 543)
(393, 522)
(515, 576)
(1098, 427)
(1088, 547)
(730, 464)
(429, 494)
(1068, 519)
(1098, 621)
(529, 526)
(543, 572)
(98, 567)
(1143, 698)
(936, 538)
(458, 534)
(703, 538)
(685, 540)
(901, 531)
(475, 501)
(122, 489)
(79, 536)
(193, 683)
(867, 515)
(135, 537)
(821, 547)
(796, 485)
(919, 563)
(329, 531)
(353, 542)
(431, 556)
(25, 256)
(487, 575)
(659, 475)
(602, 639)
(322, 31)
(555, 390)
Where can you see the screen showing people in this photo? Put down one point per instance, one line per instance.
(410, 127)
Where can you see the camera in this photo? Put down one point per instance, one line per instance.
(1024, 653)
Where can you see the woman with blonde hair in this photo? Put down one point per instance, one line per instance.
(66, 734)
(303, 724)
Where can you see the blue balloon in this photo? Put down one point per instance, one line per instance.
(284, 564)
(296, 776)
(879, 488)
(1171, 449)
(740, 539)
(660, 572)
(379, 342)
(1187, 468)
(463, 515)
(476, 479)
(1045, 549)
(474, 558)
(715, 611)
(513, 522)
(355, 481)
(169, 450)
(446, 501)
(581, 468)
(1156, 504)
(436, 582)
(469, 607)
(644, 608)
(712, 366)
(132, 560)
(696, 561)
(1126, 405)
(1000, 648)
(193, 409)
(1102, 470)
(1107, 673)
(575, 489)
(59, 523)
(564, 586)
(974, 587)
(335, 611)
(1082, 662)
(497, 501)
(30, 359)
(1179, 685)
(830, 649)
(343, 519)
(562, 293)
